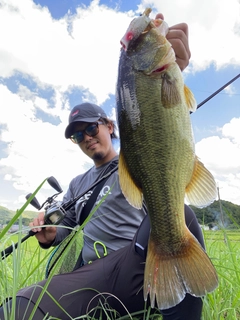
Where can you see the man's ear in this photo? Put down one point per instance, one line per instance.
(110, 127)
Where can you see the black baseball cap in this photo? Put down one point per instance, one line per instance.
(85, 112)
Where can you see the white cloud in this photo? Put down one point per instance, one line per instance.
(82, 50)
(8, 177)
(213, 28)
(221, 155)
(42, 47)
(230, 90)
(36, 149)
(231, 130)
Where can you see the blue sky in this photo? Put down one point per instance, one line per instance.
(56, 54)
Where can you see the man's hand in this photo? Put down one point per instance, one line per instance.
(178, 37)
(44, 235)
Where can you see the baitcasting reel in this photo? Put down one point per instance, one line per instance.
(54, 211)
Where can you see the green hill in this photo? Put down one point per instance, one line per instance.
(6, 215)
(221, 214)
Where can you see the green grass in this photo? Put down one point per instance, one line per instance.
(27, 265)
(223, 247)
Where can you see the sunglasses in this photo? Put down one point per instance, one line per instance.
(91, 130)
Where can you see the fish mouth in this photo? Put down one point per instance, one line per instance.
(161, 69)
(165, 62)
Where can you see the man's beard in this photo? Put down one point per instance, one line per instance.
(98, 156)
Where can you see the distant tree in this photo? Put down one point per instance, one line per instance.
(228, 215)
(26, 221)
(210, 225)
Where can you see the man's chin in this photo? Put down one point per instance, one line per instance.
(98, 156)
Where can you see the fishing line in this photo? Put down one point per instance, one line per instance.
(216, 92)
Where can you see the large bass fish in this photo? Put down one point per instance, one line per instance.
(157, 162)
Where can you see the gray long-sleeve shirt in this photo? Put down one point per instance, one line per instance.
(114, 223)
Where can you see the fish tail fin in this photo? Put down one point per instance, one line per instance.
(201, 190)
(132, 193)
(191, 102)
(168, 277)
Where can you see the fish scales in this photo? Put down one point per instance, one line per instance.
(157, 162)
(164, 158)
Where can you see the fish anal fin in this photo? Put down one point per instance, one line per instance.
(132, 193)
(168, 277)
(190, 100)
(201, 190)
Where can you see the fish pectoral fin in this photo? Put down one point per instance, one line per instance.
(202, 189)
(168, 277)
(132, 193)
(191, 102)
(170, 92)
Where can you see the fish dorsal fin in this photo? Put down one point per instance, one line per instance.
(191, 102)
(132, 193)
(202, 189)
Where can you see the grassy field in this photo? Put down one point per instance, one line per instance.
(223, 247)
(27, 265)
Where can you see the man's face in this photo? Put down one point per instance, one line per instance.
(97, 147)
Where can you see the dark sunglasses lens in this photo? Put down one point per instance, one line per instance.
(77, 137)
(92, 130)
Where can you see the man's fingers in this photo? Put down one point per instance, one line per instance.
(182, 55)
(159, 16)
(178, 37)
(182, 27)
(180, 31)
(37, 222)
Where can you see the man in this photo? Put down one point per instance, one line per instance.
(112, 273)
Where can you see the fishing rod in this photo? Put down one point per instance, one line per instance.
(216, 92)
(55, 211)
